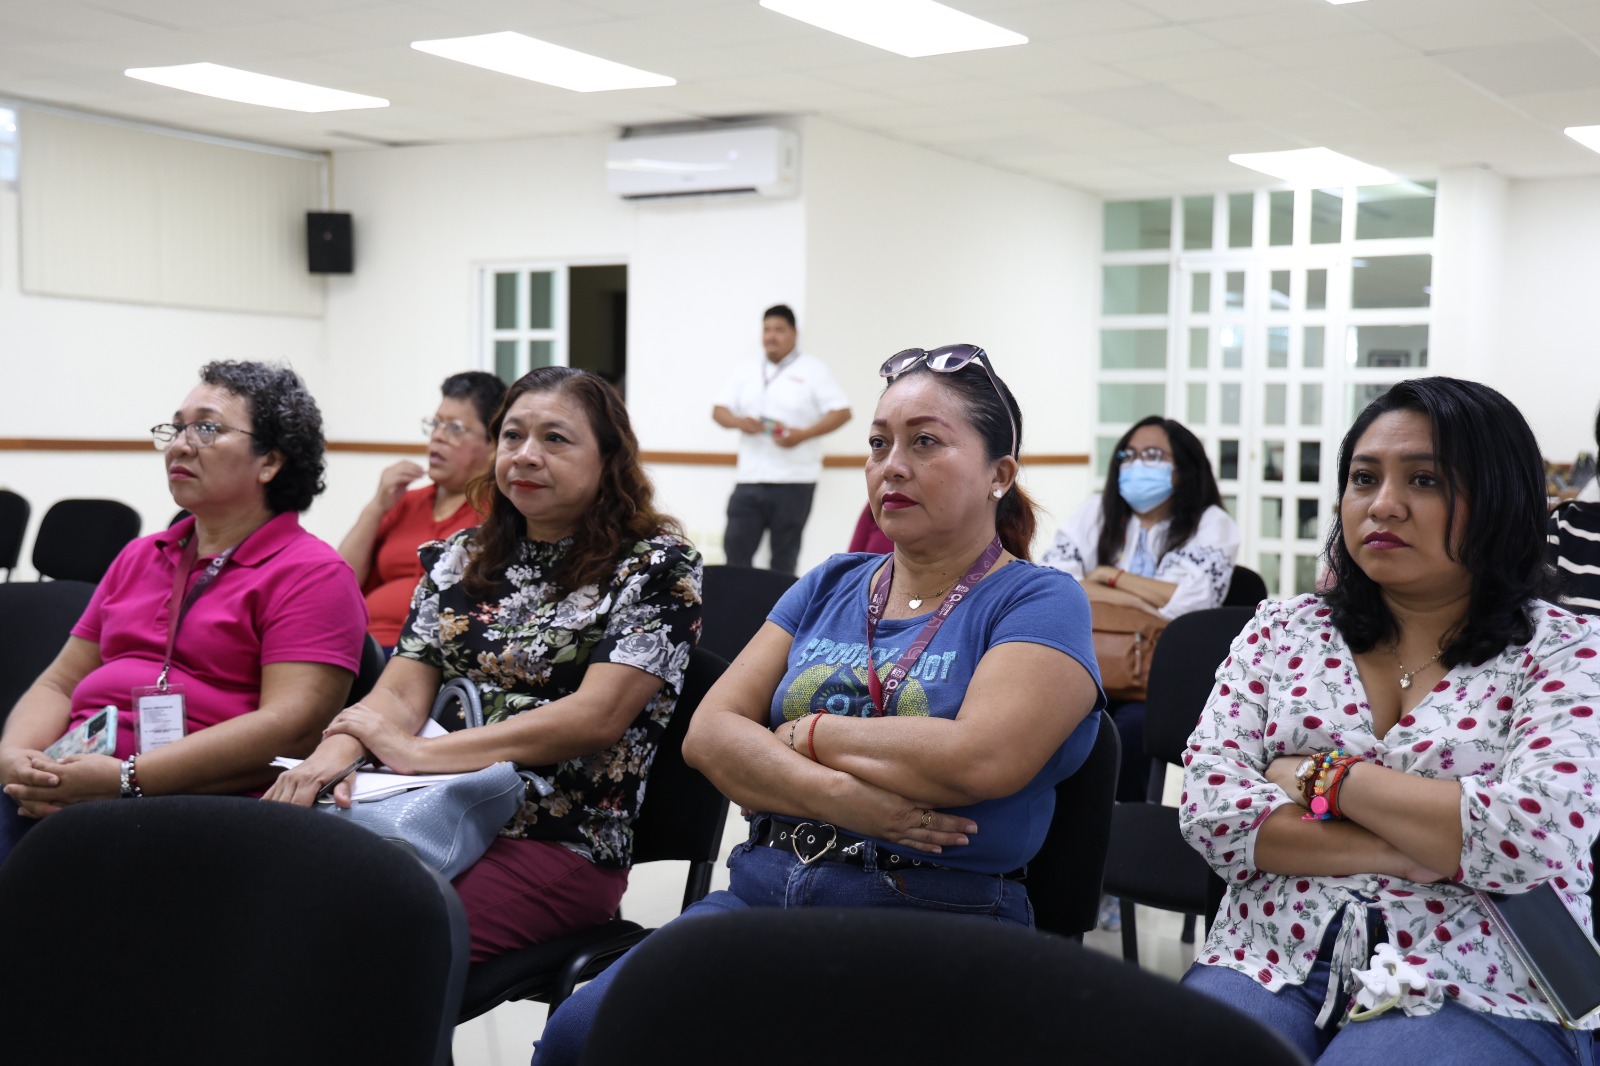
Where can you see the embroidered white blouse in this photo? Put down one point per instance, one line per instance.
(1202, 569)
(1519, 732)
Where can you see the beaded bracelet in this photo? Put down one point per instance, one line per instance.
(1323, 805)
(792, 727)
(1320, 760)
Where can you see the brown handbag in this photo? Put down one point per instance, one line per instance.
(1124, 641)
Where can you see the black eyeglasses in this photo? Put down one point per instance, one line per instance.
(948, 360)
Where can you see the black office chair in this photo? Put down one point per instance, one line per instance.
(964, 989)
(78, 539)
(243, 932)
(372, 663)
(737, 599)
(36, 618)
(14, 512)
(681, 818)
(1064, 879)
(1246, 590)
(1150, 862)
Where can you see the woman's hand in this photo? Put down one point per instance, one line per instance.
(1102, 575)
(391, 745)
(1283, 772)
(878, 813)
(24, 769)
(392, 484)
(78, 778)
(300, 785)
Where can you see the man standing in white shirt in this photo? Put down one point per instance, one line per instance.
(781, 407)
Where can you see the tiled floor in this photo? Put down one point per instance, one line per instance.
(504, 1036)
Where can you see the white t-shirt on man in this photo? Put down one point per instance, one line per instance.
(797, 391)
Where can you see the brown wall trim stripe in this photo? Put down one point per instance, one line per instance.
(372, 447)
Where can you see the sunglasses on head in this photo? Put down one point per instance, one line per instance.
(948, 360)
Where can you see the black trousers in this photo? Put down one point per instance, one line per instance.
(779, 510)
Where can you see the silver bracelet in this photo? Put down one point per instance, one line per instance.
(129, 780)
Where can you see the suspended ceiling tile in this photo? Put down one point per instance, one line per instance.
(1141, 44)
(1519, 69)
(1579, 107)
(1195, 66)
(1456, 34)
(1086, 18)
(1147, 105)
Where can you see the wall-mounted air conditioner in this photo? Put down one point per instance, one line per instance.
(754, 161)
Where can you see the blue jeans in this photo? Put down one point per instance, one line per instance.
(769, 877)
(1455, 1035)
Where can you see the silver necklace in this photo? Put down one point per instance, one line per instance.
(1407, 675)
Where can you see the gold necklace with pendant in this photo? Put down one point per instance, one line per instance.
(1407, 675)
(915, 602)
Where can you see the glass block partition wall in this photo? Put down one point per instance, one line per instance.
(1264, 321)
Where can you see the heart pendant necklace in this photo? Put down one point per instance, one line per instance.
(915, 602)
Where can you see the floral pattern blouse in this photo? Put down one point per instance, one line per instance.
(524, 649)
(1519, 732)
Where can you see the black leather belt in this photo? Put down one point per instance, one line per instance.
(811, 841)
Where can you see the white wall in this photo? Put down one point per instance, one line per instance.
(1547, 358)
(910, 248)
(90, 369)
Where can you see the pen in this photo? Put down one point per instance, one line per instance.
(327, 790)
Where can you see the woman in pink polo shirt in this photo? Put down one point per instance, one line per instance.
(222, 642)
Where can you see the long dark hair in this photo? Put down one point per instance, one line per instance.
(1487, 456)
(623, 511)
(1017, 516)
(1194, 489)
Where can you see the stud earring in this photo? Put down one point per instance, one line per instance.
(999, 493)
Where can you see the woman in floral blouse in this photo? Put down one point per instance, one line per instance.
(573, 608)
(1448, 714)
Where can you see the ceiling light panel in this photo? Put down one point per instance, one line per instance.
(911, 28)
(1313, 168)
(246, 87)
(528, 57)
(1588, 136)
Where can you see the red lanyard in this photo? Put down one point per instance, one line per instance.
(180, 577)
(880, 599)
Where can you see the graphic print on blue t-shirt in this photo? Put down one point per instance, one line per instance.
(833, 678)
(825, 613)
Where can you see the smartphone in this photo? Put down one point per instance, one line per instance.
(1561, 957)
(95, 735)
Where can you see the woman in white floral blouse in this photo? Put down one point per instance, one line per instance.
(573, 609)
(1449, 716)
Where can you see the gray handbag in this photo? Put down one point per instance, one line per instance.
(449, 826)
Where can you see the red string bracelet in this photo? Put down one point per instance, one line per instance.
(1111, 584)
(811, 735)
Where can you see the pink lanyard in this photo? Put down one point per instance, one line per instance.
(880, 599)
(176, 610)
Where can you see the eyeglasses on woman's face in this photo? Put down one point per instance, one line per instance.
(455, 429)
(948, 360)
(1151, 456)
(201, 434)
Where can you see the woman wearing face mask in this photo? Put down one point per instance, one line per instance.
(1156, 538)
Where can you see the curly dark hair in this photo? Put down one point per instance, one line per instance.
(1490, 459)
(1017, 516)
(484, 391)
(1193, 492)
(623, 512)
(286, 419)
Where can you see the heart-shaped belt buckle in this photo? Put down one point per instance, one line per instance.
(807, 835)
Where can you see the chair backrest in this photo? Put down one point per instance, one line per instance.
(736, 600)
(1182, 673)
(78, 539)
(1064, 879)
(372, 663)
(250, 932)
(14, 512)
(683, 814)
(35, 620)
(976, 991)
(1246, 590)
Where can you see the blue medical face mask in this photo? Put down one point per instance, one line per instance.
(1145, 487)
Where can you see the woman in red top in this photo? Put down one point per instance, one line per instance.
(382, 546)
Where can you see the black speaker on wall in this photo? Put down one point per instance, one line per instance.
(329, 246)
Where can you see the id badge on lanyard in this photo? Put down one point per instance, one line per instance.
(160, 707)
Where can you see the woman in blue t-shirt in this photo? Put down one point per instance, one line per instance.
(928, 781)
